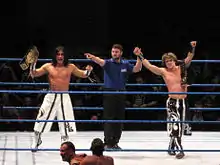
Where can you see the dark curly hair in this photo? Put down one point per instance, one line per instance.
(97, 147)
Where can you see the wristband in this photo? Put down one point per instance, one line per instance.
(87, 72)
(141, 57)
(33, 66)
(193, 50)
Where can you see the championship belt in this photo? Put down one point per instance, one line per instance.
(29, 58)
(183, 72)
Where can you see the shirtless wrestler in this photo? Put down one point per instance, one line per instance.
(58, 105)
(174, 75)
(67, 152)
(97, 157)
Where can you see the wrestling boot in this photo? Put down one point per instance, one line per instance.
(108, 146)
(64, 138)
(116, 146)
(108, 143)
(180, 155)
(36, 142)
(112, 147)
(179, 147)
(111, 143)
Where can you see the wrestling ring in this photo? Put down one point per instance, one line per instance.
(139, 147)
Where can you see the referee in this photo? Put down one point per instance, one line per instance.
(116, 72)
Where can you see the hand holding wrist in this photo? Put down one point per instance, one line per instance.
(88, 70)
(140, 56)
(138, 53)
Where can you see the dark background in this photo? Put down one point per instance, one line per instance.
(94, 25)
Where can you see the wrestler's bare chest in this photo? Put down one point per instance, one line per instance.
(172, 77)
(59, 72)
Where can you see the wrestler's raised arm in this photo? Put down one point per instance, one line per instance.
(191, 53)
(154, 69)
(96, 59)
(138, 65)
(81, 73)
(40, 71)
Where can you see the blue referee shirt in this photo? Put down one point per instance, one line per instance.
(116, 74)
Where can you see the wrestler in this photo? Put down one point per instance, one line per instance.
(175, 77)
(67, 152)
(58, 105)
(97, 156)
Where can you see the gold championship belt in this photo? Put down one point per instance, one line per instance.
(29, 58)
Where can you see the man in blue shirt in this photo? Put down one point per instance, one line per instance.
(116, 72)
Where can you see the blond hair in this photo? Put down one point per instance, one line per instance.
(168, 56)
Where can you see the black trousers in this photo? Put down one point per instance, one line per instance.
(177, 110)
(114, 109)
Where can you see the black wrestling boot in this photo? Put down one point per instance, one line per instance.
(171, 152)
(179, 147)
(116, 146)
(108, 143)
(108, 146)
(180, 155)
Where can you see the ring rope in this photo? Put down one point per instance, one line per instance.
(88, 60)
(110, 121)
(107, 92)
(111, 150)
(101, 108)
(97, 84)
